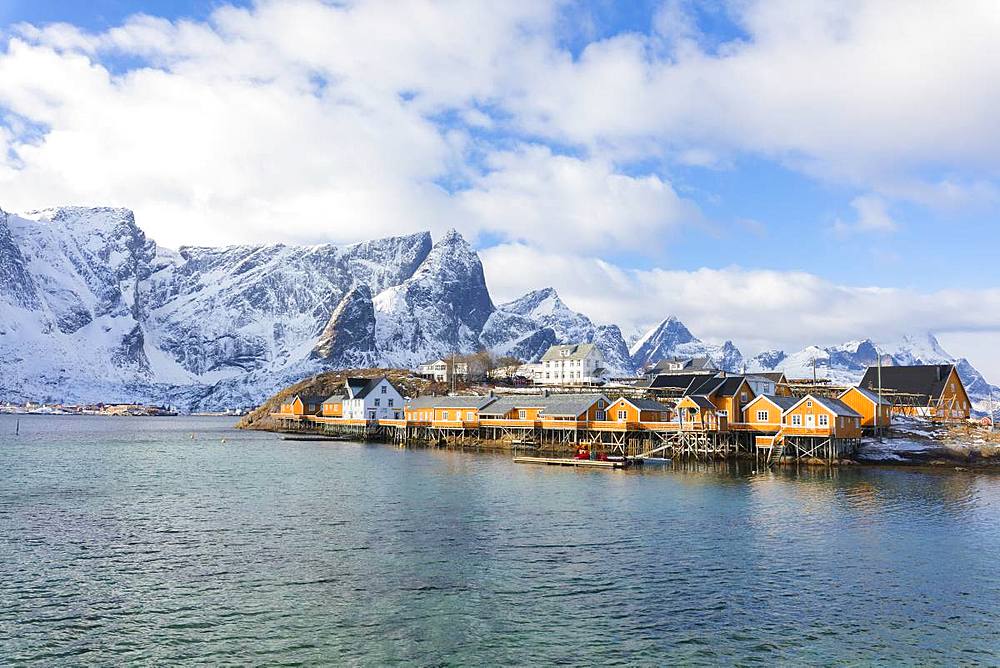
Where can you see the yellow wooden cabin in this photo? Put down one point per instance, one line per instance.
(699, 413)
(302, 405)
(764, 413)
(821, 416)
(631, 411)
(333, 406)
(867, 404)
(445, 412)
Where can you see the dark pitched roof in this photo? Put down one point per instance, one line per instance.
(678, 381)
(647, 404)
(309, 398)
(776, 376)
(784, 403)
(334, 398)
(359, 388)
(701, 401)
(928, 379)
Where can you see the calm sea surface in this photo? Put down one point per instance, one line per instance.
(128, 540)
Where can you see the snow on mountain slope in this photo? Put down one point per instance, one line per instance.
(92, 310)
(527, 326)
(670, 338)
(439, 310)
(846, 363)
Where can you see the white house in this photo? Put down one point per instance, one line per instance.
(441, 370)
(573, 364)
(372, 399)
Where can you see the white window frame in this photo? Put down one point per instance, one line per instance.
(763, 416)
(823, 420)
(622, 414)
(796, 420)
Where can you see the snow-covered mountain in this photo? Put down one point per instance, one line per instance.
(846, 363)
(92, 310)
(527, 326)
(670, 338)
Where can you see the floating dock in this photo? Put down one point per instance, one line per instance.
(561, 461)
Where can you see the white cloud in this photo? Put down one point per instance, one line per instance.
(869, 93)
(757, 309)
(567, 203)
(872, 216)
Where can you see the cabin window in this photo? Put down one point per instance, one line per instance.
(389, 403)
(796, 420)
(383, 390)
(600, 403)
(312, 407)
(743, 396)
(522, 415)
(469, 416)
(824, 420)
(723, 414)
(601, 416)
(377, 402)
(444, 415)
(809, 404)
(762, 416)
(622, 415)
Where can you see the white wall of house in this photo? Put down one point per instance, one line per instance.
(384, 402)
(570, 371)
(439, 370)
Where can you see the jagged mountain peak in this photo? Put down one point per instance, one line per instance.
(660, 341)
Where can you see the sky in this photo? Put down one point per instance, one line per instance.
(778, 173)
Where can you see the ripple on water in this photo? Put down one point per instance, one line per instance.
(127, 541)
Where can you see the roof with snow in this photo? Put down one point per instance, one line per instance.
(572, 351)
(928, 379)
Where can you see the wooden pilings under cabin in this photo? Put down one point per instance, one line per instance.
(677, 444)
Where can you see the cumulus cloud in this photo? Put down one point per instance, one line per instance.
(758, 309)
(563, 202)
(872, 216)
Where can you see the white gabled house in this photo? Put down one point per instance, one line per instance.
(372, 399)
(573, 364)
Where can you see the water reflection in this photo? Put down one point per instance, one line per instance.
(129, 541)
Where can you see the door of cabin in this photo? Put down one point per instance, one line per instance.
(810, 421)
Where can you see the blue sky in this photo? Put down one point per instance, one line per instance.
(662, 145)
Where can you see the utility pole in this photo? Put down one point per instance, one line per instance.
(993, 415)
(878, 409)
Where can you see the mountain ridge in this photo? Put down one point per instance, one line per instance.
(93, 310)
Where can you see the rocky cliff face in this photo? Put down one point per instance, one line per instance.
(439, 310)
(348, 340)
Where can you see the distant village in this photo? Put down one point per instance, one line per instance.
(680, 406)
